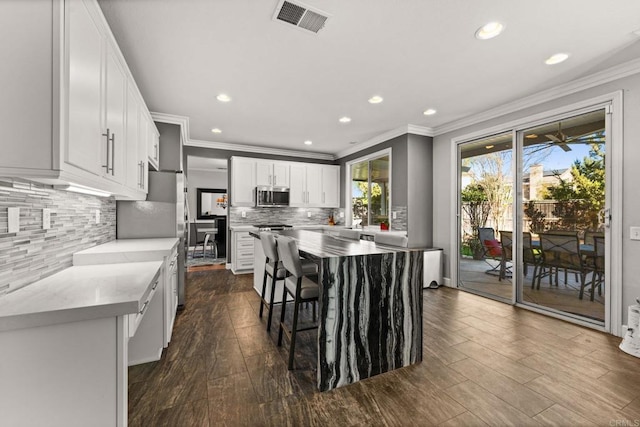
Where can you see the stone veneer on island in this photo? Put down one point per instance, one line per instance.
(370, 306)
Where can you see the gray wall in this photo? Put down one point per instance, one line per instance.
(445, 191)
(411, 184)
(170, 148)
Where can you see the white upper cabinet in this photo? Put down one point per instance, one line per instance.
(243, 181)
(85, 53)
(153, 144)
(77, 90)
(272, 173)
(310, 184)
(115, 115)
(331, 186)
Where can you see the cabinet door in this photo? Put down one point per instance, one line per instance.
(85, 55)
(264, 173)
(143, 131)
(243, 181)
(281, 174)
(115, 144)
(314, 185)
(132, 170)
(331, 186)
(298, 188)
(153, 141)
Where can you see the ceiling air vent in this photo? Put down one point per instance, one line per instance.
(300, 15)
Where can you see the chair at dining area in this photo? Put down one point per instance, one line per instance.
(595, 262)
(506, 243)
(561, 251)
(349, 233)
(205, 236)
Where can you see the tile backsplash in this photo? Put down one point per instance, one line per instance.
(290, 216)
(33, 253)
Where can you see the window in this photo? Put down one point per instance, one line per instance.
(370, 190)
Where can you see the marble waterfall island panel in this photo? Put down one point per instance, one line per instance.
(371, 316)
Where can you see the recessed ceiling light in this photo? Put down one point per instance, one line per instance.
(353, 142)
(344, 119)
(429, 112)
(223, 97)
(375, 99)
(489, 31)
(307, 142)
(216, 130)
(556, 58)
(489, 147)
(531, 136)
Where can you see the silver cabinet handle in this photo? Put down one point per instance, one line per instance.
(156, 148)
(113, 150)
(107, 158)
(155, 285)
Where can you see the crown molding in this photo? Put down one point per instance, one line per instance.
(258, 149)
(611, 74)
(394, 133)
(183, 121)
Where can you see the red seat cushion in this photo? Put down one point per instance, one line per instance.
(493, 247)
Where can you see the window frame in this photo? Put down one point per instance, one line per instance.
(348, 196)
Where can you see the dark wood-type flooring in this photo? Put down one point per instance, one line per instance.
(485, 363)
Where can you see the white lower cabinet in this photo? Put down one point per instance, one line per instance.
(242, 261)
(146, 327)
(170, 295)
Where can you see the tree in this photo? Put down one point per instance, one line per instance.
(477, 208)
(491, 171)
(581, 201)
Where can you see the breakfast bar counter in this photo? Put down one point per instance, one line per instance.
(370, 318)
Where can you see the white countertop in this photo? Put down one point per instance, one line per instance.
(79, 293)
(371, 232)
(126, 250)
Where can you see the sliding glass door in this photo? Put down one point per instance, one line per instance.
(485, 210)
(562, 217)
(532, 226)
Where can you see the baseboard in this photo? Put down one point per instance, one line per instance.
(146, 359)
(447, 282)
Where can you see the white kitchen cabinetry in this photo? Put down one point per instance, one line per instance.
(153, 143)
(146, 327)
(330, 186)
(306, 185)
(171, 294)
(136, 156)
(272, 173)
(68, 117)
(243, 181)
(242, 261)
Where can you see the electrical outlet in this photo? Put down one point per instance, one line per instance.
(243, 214)
(341, 214)
(635, 233)
(46, 219)
(395, 215)
(97, 216)
(13, 220)
(308, 214)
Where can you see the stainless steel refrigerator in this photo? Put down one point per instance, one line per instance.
(163, 214)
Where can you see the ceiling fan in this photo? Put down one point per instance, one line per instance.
(562, 140)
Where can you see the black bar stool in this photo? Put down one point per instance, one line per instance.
(301, 288)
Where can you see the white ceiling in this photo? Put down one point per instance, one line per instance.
(288, 86)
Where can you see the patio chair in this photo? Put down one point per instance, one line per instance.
(530, 256)
(595, 263)
(506, 243)
(491, 249)
(561, 251)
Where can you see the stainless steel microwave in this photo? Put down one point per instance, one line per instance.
(272, 196)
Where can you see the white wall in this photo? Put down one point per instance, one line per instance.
(197, 178)
(445, 191)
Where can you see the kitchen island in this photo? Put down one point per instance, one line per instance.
(370, 317)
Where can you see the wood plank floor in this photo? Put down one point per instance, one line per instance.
(485, 363)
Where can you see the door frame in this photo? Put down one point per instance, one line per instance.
(613, 105)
